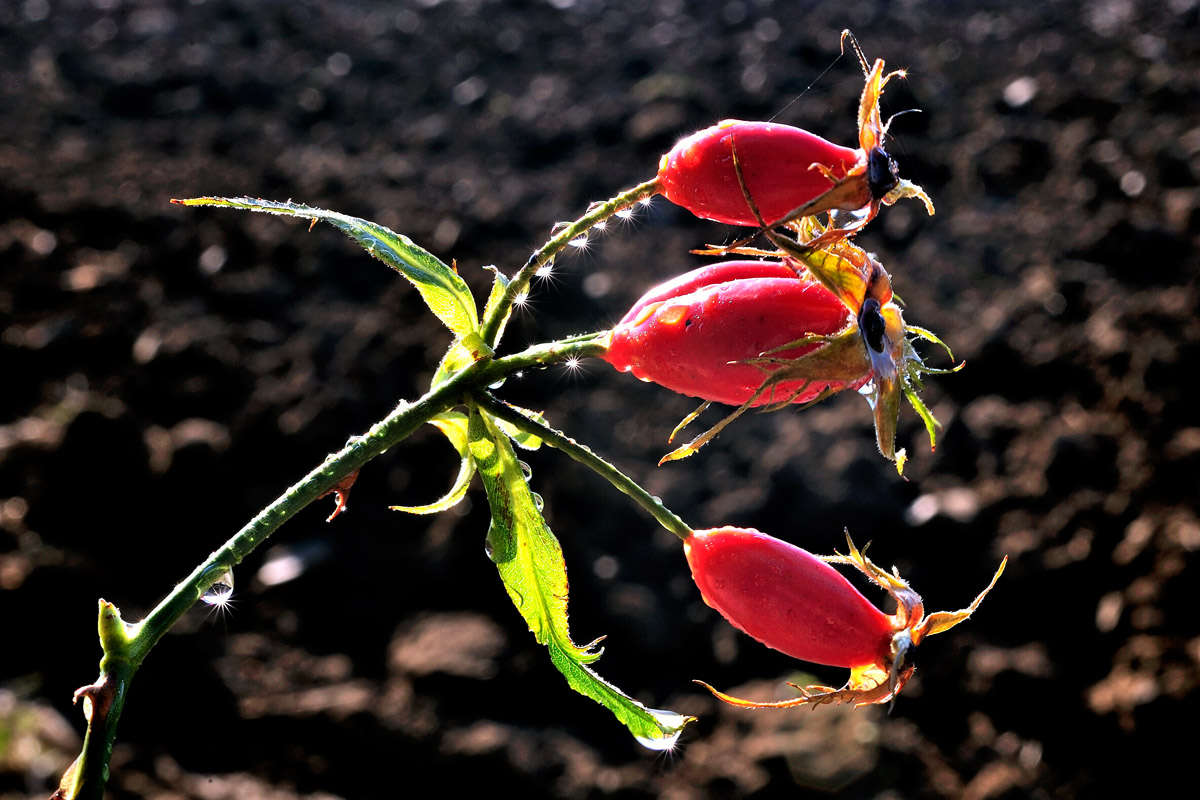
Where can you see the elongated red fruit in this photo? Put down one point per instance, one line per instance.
(777, 164)
(795, 602)
(788, 599)
(695, 334)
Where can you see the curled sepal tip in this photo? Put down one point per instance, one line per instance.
(941, 621)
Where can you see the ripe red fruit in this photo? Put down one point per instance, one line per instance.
(766, 174)
(795, 602)
(706, 333)
(777, 165)
(787, 598)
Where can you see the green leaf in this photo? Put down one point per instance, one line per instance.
(522, 439)
(454, 425)
(531, 566)
(443, 290)
(499, 285)
(458, 357)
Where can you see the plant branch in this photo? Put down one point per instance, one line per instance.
(585, 456)
(520, 282)
(543, 355)
(124, 654)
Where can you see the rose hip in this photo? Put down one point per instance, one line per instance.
(787, 598)
(768, 174)
(705, 334)
(777, 167)
(795, 602)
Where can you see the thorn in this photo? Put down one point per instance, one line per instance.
(341, 492)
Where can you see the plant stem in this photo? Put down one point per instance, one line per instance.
(121, 661)
(585, 456)
(543, 355)
(520, 282)
(124, 654)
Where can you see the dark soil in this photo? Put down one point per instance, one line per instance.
(169, 371)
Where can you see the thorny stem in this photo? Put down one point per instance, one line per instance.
(90, 773)
(596, 213)
(124, 653)
(543, 355)
(584, 455)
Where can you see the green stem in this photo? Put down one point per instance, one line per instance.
(584, 455)
(123, 655)
(126, 646)
(543, 355)
(520, 282)
(316, 484)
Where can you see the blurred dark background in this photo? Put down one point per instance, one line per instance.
(168, 371)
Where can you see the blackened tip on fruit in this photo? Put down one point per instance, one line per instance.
(881, 173)
(870, 322)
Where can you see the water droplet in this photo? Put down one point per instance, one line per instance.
(526, 470)
(499, 545)
(867, 390)
(538, 502)
(670, 726)
(220, 590)
(579, 241)
(497, 384)
(847, 219)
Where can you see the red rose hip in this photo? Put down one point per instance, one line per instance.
(778, 164)
(701, 333)
(795, 602)
(787, 598)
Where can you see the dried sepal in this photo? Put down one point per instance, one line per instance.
(941, 621)
(861, 690)
(872, 182)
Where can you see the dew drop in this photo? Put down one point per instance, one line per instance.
(579, 241)
(538, 502)
(846, 219)
(220, 590)
(499, 545)
(526, 470)
(670, 726)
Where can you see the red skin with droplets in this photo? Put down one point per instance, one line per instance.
(776, 161)
(788, 599)
(689, 334)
